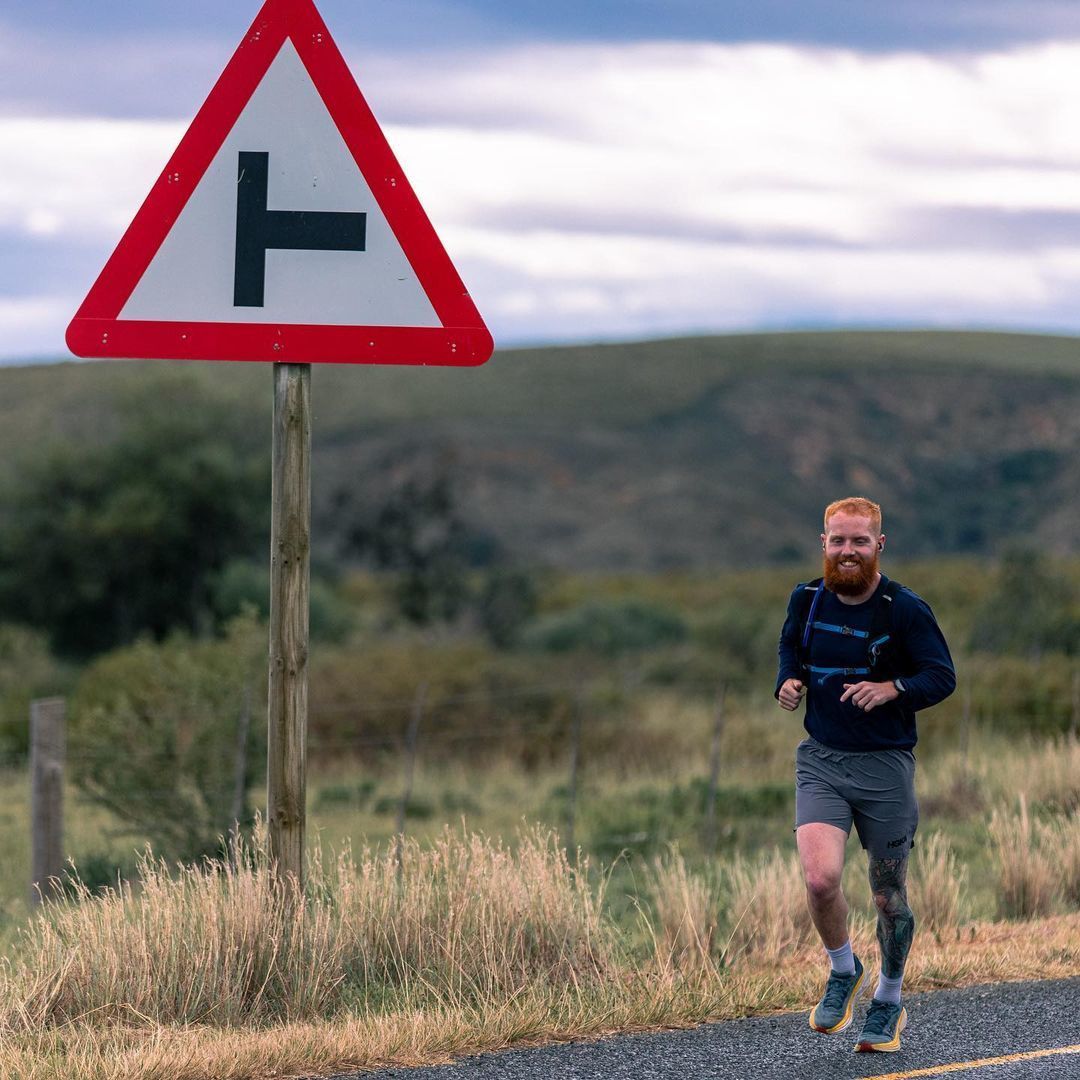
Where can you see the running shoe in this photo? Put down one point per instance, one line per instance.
(882, 1027)
(833, 1012)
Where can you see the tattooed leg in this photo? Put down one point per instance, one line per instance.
(896, 923)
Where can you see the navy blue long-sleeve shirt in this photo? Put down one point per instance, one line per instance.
(927, 672)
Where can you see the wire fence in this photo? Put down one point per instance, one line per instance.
(424, 728)
(564, 724)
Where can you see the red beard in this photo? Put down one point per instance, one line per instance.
(850, 582)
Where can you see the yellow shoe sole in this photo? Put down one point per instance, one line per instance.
(845, 1020)
(885, 1048)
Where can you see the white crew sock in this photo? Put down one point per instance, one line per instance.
(888, 989)
(843, 959)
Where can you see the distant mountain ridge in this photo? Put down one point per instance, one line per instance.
(690, 452)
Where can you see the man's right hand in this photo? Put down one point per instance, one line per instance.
(791, 693)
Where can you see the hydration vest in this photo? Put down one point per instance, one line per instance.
(884, 656)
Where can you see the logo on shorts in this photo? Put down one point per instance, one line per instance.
(897, 843)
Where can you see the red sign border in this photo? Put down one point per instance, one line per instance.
(97, 331)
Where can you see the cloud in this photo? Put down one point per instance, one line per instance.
(991, 228)
(122, 75)
(28, 326)
(619, 190)
(78, 177)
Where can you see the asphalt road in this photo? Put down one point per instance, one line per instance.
(944, 1027)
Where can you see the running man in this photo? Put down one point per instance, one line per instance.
(866, 654)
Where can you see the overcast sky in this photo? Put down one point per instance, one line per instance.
(610, 169)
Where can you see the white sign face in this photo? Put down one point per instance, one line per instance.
(282, 229)
(309, 173)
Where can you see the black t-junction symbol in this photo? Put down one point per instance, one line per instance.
(258, 229)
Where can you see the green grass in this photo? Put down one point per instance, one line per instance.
(628, 812)
(90, 833)
(465, 944)
(476, 943)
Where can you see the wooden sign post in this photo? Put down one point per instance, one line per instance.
(290, 561)
(284, 230)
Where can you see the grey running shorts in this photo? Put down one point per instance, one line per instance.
(873, 788)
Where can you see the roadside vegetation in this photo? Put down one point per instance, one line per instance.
(418, 952)
(542, 803)
(478, 929)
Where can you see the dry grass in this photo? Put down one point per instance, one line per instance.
(1025, 871)
(689, 908)
(475, 947)
(767, 908)
(465, 921)
(961, 785)
(954, 787)
(1066, 840)
(746, 913)
(208, 945)
(641, 1000)
(470, 918)
(1051, 773)
(936, 883)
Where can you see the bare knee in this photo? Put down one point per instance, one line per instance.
(821, 853)
(822, 885)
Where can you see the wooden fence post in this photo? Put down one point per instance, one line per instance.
(290, 558)
(47, 752)
(714, 773)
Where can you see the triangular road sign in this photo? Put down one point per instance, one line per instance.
(282, 229)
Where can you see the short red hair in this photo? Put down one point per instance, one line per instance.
(861, 507)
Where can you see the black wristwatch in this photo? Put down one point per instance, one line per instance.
(899, 686)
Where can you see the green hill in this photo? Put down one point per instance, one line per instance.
(688, 452)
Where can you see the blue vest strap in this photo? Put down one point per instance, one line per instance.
(847, 631)
(826, 673)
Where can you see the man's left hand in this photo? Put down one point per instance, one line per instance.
(869, 695)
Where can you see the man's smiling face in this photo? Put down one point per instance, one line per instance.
(851, 547)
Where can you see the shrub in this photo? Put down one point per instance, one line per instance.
(244, 585)
(1014, 694)
(417, 808)
(507, 601)
(97, 872)
(744, 637)
(420, 536)
(354, 796)
(1032, 610)
(154, 736)
(362, 697)
(27, 671)
(102, 543)
(606, 628)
